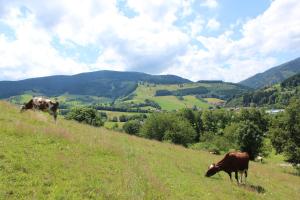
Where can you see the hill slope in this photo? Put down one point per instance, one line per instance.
(43, 160)
(122, 90)
(273, 75)
(176, 96)
(276, 96)
(100, 83)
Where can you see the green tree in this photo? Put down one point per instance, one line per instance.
(114, 119)
(194, 117)
(285, 137)
(123, 118)
(180, 132)
(132, 127)
(198, 126)
(85, 115)
(258, 117)
(209, 121)
(277, 132)
(250, 138)
(168, 126)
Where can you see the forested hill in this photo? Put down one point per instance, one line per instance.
(110, 84)
(273, 75)
(277, 95)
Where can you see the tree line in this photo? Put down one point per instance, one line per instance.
(220, 130)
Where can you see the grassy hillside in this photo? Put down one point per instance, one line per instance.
(172, 102)
(275, 96)
(273, 75)
(67, 160)
(169, 103)
(110, 84)
(146, 96)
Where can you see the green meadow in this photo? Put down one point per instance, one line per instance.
(40, 159)
(168, 103)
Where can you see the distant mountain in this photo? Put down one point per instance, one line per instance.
(275, 96)
(273, 75)
(110, 84)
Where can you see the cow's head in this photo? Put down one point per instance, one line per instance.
(23, 107)
(53, 105)
(212, 170)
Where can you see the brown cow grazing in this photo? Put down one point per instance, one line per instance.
(43, 104)
(232, 162)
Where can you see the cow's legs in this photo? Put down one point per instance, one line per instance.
(229, 173)
(55, 116)
(241, 176)
(54, 113)
(246, 174)
(236, 177)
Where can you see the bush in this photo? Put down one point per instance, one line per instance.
(85, 115)
(205, 146)
(170, 127)
(218, 143)
(114, 119)
(123, 118)
(132, 127)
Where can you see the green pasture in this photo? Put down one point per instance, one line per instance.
(40, 159)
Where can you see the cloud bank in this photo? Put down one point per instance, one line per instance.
(68, 36)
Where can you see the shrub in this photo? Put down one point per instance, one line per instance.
(168, 126)
(212, 142)
(132, 127)
(205, 146)
(114, 119)
(123, 118)
(85, 115)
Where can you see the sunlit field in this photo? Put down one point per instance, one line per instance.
(67, 160)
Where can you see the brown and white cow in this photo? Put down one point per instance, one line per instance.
(232, 162)
(43, 104)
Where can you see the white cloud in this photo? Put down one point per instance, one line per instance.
(31, 53)
(147, 39)
(187, 7)
(160, 11)
(263, 37)
(196, 26)
(276, 30)
(213, 24)
(150, 41)
(210, 3)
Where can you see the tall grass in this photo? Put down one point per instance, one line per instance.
(43, 160)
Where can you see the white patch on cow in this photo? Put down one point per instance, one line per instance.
(211, 166)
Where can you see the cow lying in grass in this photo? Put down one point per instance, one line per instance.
(43, 104)
(232, 162)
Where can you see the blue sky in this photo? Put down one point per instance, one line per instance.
(227, 40)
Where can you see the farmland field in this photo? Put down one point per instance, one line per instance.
(168, 102)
